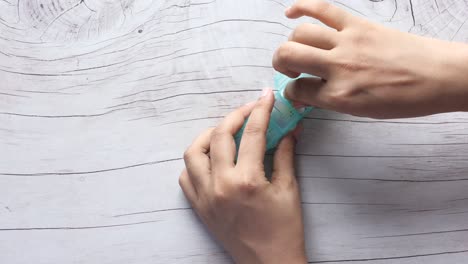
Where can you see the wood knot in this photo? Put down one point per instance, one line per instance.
(55, 20)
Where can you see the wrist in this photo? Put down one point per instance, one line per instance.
(281, 257)
(272, 256)
(453, 77)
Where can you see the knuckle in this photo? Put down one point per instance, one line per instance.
(254, 129)
(248, 182)
(188, 154)
(248, 186)
(285, 52)
(209, 131)
(182, 179)
(217, 135)
(319, 7)
(261, 106)
(299, 32)
(290, 184)
(220, 195)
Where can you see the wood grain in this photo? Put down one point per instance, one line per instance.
(99, 99)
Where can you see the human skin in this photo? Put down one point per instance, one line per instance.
(366, 69)
(256, 220)
(362, 69)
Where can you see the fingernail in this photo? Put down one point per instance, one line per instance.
(265, 92)
(287, 10)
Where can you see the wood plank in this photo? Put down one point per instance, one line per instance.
(100, 98)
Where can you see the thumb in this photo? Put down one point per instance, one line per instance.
(308, 91)
(283, 162)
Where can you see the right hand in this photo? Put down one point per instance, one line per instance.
(257, 220)
(365, 69)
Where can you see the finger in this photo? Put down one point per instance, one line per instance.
(196, 158)
(299, 58)
(298, 130)
(253, 143)
(329, 14)
(283, 162)
(315, 36)
(308, 91)
(223, 146)
(187, 187)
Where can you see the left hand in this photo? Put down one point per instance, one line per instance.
(366, 69)
(256, 220)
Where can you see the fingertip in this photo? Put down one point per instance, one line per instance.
(271, 94)
(287, 12)
(266, 92)
(267, 97)
(291, 12)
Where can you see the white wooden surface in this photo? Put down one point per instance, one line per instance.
(99, 99)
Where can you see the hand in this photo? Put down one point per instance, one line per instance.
(256, 220)
(369, 70)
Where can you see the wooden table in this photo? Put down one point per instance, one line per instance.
(99, 99)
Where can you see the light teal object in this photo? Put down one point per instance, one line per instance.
(284, 117)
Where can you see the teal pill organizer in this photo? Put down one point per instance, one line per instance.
(284, 116)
